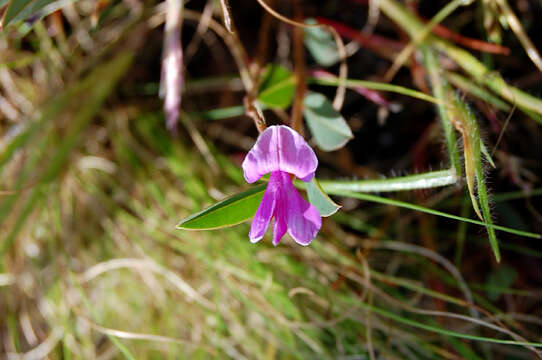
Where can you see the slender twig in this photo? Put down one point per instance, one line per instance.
(299, 69)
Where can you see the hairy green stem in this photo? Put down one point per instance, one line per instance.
(402, 183)
(440, 89)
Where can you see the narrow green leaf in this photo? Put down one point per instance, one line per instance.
(483, 198)
(14, 8)
(373, 85)
(318, 198)
(330, 130)
(321, 45)
(472, 88)
(22, 9)
(277, 87)
(228, 212)
(473, 136)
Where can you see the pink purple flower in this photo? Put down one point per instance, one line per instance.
(282, 152)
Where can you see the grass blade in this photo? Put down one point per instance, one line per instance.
(350, 83)
(406, 205)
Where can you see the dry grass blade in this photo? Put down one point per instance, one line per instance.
(41, 351)
(146, 265)
(227, 15)
(516, 26)
(147, 337)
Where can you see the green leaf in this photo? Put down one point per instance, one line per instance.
(22, 9)
(277, 87)
(328, 127)
(478, 91)
(228, 212)
(321, 45)
(318, 198)
(14, 8)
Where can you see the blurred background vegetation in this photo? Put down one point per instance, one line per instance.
(93, 183)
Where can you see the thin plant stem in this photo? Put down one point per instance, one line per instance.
(440, 88)
(403, 183)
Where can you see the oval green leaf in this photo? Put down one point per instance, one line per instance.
(319, 198)
(228, 212)
(277, 87)
(321, 45)
(328, 127)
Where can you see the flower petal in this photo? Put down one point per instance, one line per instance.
(295, 155)
(281, 207)
(279, 229)
(280, 148)
(265, 212)
(304, 220)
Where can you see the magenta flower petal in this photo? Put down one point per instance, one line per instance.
(281, 226)
(303, 219)
(264, 213)
(280, 148)
(279, 229)
(296, 156)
